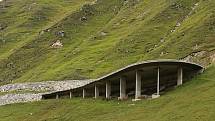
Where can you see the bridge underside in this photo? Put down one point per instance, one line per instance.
(135, 82)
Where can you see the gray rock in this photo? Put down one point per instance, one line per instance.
(18, 98)
(47, 87)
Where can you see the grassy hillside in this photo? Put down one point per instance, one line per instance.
(100, 38)
(194, 101)
(21, 21)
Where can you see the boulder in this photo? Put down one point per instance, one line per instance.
(57, 44)
(83, 18)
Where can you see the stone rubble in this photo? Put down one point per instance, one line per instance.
(19, 98)
(191, 57)
(47, 87)
(212, 57)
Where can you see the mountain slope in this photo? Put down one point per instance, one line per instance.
(22, 20)
(194, 101)
(102, 37)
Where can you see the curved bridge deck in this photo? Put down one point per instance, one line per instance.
(136, 80)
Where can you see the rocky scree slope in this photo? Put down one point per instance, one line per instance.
(33, 91)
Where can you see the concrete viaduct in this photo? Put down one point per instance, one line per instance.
(136, 81)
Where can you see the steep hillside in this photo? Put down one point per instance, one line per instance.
(23, 21)
(194, 101)
(107, 35)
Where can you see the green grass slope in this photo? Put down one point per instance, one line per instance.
(22, 20)
(102, 37)
(193, 101)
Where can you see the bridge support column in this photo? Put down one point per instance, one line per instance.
(180, 76)
(96, 91)
(158, 81)
(108, 89)
(138, 85)
(70, 94)
(122, 88)
(157, 95)
(84, 93)
(57, 96)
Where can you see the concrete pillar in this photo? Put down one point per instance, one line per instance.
(138, 85)
(122, 88)
(57, 96)
(96, 91)
(70, 94)
(158, 80)
(180, 76)
(108, 89)
(84, 93)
